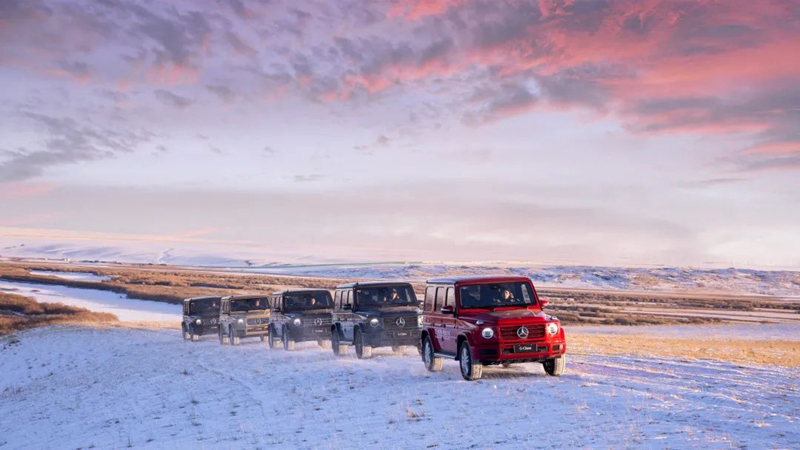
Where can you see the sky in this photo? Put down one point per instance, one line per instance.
(554, 132)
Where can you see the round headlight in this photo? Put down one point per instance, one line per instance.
(374, 322)
(240, 320)
(487, 333)
(198, 321)
(552, 328)
(297, 322)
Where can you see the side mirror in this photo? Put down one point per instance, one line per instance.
(544, 303)
(447, 309)
(347, 306)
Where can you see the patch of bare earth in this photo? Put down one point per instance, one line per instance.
(748, 352)
(19, 313)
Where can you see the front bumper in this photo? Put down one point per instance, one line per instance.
(528, 351)
(310, 333)
(252, 331)
(391, 338)
(205, 329)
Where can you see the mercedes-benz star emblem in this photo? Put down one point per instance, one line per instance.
(522, 332)
(400, 322)
(318, 321)
(258, 321)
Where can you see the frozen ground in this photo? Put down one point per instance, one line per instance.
(126, 309)
(74, 276)
(74, 388)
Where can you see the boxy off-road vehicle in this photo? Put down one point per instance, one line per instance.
(489, 320)
(243, 316)
(200, 317)
(300, 315)
(375, 314)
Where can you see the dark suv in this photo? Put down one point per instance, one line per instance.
(300, 315)
(375, 314)
(200, 316)
(489, 320)
(243, 316)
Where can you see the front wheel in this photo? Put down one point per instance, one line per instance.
(362, 351)
(555, 367)
(336, 344)
(470, 370)
(432, 363)
(288, 343)
(272, 339)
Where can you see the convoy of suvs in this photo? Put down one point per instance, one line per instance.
(476, 321)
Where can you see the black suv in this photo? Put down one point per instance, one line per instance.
(375, 314)
(300, 315)
(200, 316)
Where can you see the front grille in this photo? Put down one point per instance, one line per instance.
(258, 321)
(317, 321)
(406, 322)
(510, 333)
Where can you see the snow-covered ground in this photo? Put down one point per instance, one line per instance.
(70, 388)
(74, 276)
(126, 309)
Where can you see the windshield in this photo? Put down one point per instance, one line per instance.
(386, 296)
(496, 295)
(307, 300)
(204, 306)
(249, 304)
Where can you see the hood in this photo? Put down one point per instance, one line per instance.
(391, 311)
(512, 315)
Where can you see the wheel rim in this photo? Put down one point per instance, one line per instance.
(465, 363)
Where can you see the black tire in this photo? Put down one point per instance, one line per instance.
(555, 367)
(431, 361)
(288, 344)
(362, 351)
(470, 370)
(336, 344)
(186, 335)
(272, 339)
(223, 338)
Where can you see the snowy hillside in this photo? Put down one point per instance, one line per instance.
(119, 388)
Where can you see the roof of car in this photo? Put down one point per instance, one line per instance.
(202, 298)
(297, 291)
(371, 283)
(245, 297)
(479, 279)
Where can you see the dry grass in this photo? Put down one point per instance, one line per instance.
(20, 313)
(781, 353)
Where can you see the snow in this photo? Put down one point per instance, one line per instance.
(126, 309)
(73, 276)
(65, 387)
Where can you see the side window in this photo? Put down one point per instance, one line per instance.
(430, 292)
(337, 300)
(439, 298)
(450, 300)
(349, 299)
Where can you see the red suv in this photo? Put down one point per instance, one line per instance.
(489, 320)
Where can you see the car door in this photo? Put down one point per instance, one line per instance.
(348, 322)
(450, 322)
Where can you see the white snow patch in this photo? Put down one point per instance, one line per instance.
(74, 276)
(65, 387)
